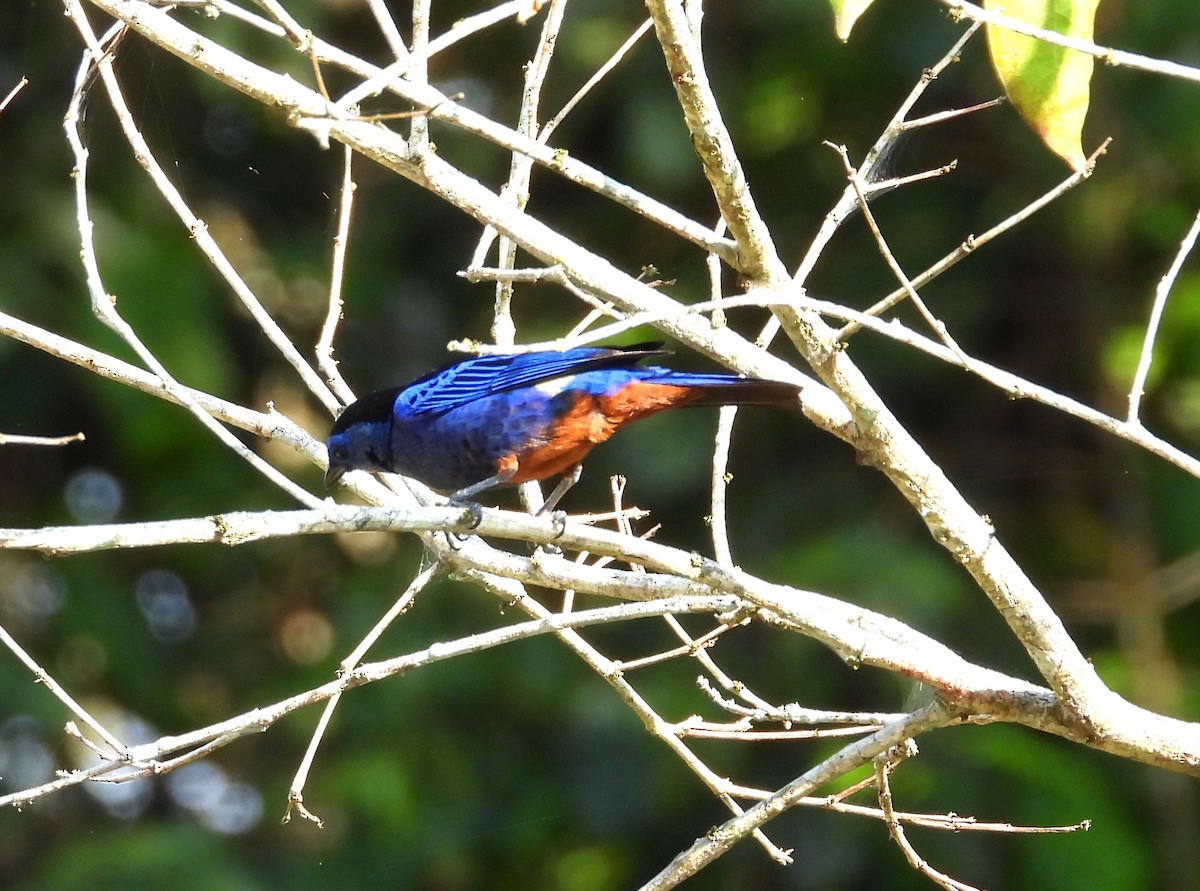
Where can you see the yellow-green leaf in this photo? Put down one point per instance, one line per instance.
(845, 14)
(1048, 84)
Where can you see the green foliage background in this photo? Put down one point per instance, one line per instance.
(517, 768)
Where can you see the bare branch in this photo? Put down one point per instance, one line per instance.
(147, 759)
(756, 256)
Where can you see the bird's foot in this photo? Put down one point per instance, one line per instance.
(475, 510)
(455, 540)
(558, 519)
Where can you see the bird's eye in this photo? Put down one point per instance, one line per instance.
(339, 453)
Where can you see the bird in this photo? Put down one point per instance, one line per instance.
(502, 419)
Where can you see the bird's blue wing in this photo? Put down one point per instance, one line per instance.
(483, 376)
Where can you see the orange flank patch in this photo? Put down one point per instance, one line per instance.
(640, 399)
(592, 420)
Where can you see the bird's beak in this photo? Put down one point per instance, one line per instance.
(333, 474)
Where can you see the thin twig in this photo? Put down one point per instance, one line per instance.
(1161, 293)
(324, 349)
(387, 27)
(945, 822)
(592, 82)
(885, 251)
(738, 733)
(19, 439)
(883, 767)
(747, 704)
(868, 170)
(269, 425)
(351, 662)
(760, 711)
(972, 243)
(1107, 55)
(877, 187)
(718, 516)
(726, 791)
(686, 649)
(940, 117)
(118, 749)
(721, 839)
(12, 94)
(1016, 387)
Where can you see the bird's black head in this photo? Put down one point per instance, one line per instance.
(361, 437)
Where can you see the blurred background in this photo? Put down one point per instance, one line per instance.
(517, 768)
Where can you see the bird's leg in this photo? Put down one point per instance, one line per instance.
(463, 496)
(570, 478)
(558, 517)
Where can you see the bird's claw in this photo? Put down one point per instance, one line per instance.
(558, 519)
(455, 540)
(474, 509)
(476, 514)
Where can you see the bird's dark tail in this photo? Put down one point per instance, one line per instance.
(726, 389)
